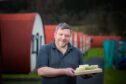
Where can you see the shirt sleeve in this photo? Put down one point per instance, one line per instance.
(42, 58)
(81, 59)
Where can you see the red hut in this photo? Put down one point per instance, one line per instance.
(21, 36)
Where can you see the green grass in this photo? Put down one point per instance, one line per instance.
(22, 82)
(30, 75)
(93, 52)
(21, 76)
(111, 76)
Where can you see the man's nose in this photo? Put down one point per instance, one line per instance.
(63, 37)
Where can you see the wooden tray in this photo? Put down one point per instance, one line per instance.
(98, 70)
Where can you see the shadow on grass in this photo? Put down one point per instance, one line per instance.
(114, 76)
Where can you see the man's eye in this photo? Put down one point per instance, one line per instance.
(60, 34)
(67, 36)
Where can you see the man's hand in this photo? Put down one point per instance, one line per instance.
(69, 72)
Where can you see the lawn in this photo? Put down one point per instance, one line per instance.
(93, 52)
(21, 82)
(31, 78)
(111, 76)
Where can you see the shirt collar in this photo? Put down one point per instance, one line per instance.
(69, 46)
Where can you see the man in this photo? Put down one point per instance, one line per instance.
(57, 61)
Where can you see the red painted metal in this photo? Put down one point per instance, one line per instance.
(49, 33)
(97, 41)
(16, 35)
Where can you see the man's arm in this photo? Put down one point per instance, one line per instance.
(53, 72)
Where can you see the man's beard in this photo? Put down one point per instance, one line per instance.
(62, 44)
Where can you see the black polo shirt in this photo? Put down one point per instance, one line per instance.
(50, 56)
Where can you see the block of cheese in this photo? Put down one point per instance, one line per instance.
(87, 69)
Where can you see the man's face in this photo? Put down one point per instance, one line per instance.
(62, 37)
